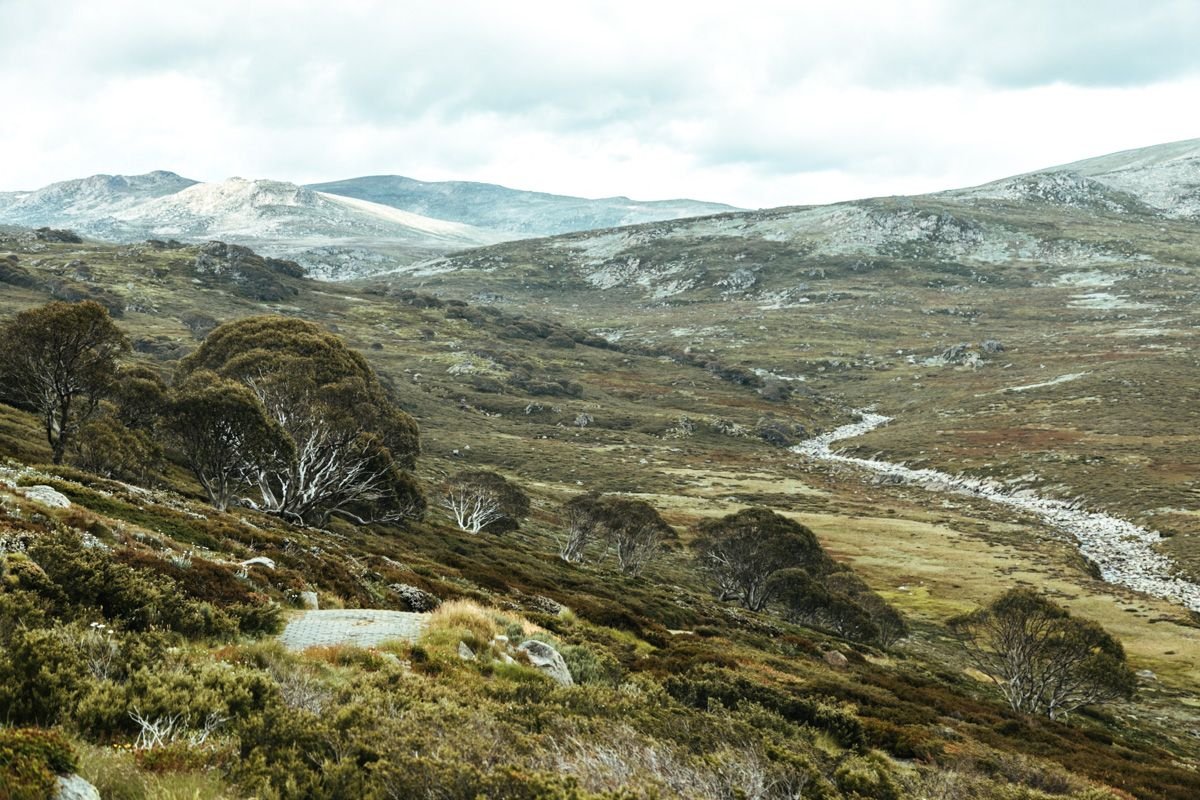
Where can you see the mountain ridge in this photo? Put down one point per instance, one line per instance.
(517, 211)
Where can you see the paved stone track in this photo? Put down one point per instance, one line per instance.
(360, 627)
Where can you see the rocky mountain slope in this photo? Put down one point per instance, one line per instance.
(1036, 330)
(1163, 179)
(1074, 217)
(277, 217)
(85, 201)
(341, 230)
(522, 213)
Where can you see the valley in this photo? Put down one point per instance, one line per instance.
(1031, 342)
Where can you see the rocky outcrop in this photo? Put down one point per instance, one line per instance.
(548, 660)
(416, 599)
(249, 274)
(47, 496)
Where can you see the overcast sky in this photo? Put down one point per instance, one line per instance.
(751, 103)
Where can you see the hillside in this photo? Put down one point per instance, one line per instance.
(681, 695)
(522, 213)
(1038, 332)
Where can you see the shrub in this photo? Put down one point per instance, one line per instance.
(592, 665)
(29, 760)
(869, 777)
(42, 675)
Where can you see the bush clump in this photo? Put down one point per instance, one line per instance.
(30, 758)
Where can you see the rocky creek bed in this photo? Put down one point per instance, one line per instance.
(1122, 551)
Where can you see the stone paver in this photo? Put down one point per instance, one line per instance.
(360, 627)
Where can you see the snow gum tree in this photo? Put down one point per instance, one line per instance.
(630, 529)
(479, 500)
(1043, 660)
(59, 361)
(348, 446)
(741, 552)
(224, 435)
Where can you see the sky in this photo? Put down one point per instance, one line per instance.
(755, 104)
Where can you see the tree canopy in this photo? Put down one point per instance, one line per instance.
(1042, 659)
(742, 551)
(347, 441)
(60, 360)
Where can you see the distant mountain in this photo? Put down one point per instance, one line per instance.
(274, 211)
(330, 235)
(513, 211)
(339, 230)
(76, 202)
(1090, 215)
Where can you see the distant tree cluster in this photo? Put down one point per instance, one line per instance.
(631, 530)
(758, 558)
(273, 413)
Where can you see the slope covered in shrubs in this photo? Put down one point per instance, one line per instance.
(138, 623)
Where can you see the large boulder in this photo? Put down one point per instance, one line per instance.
(548, 660)
(73, 787)
(47, 496)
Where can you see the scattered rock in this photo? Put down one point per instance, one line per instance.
(310, 601)
(956, 353)
(546, 605)
(47, 496)
(73, 787)
(835, 659)
(465, 652)
(992, 346)
(56, 235)
(548, 660)
(1147, 675)
(416, 599)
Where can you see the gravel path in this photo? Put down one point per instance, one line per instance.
(1123, 551)
(360, 627)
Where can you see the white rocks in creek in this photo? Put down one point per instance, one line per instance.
(1122, 551)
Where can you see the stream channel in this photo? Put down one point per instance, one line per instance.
(1121, 550)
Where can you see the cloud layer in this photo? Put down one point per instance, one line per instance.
(758, 104)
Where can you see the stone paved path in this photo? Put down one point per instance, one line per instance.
(360, 627)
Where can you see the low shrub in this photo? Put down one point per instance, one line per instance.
(30, 758)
